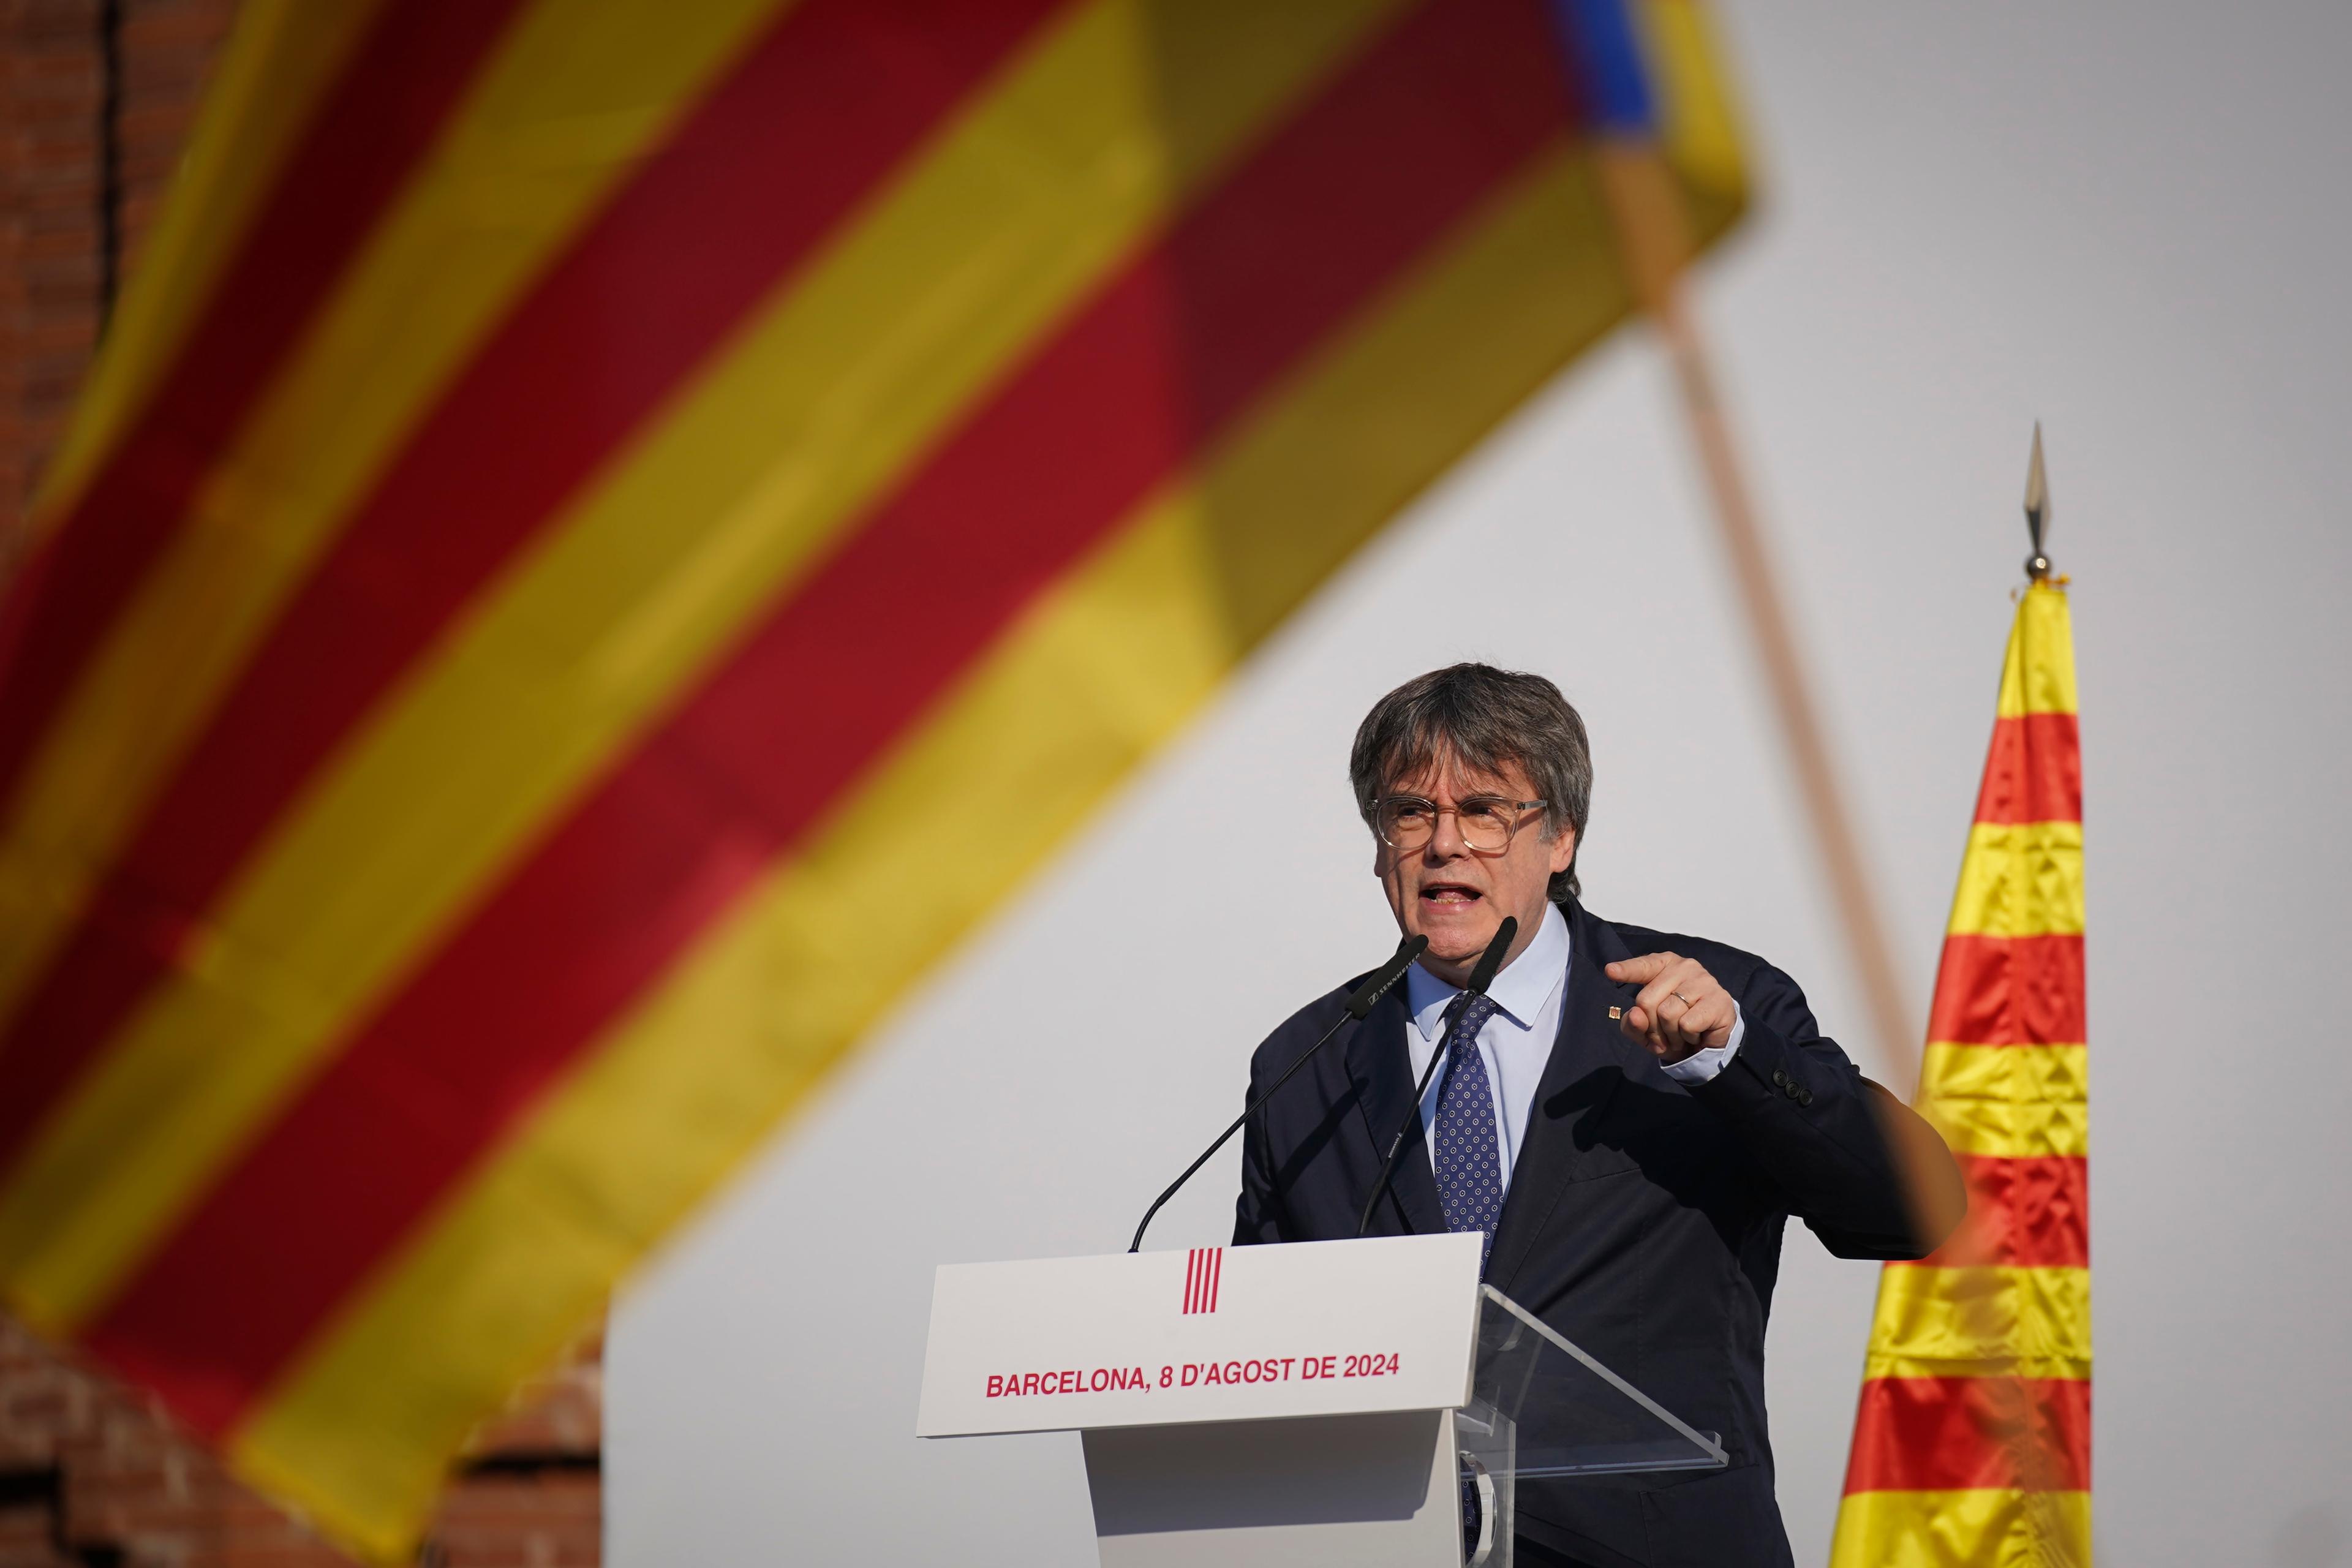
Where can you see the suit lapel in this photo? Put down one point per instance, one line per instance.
(1574, 1094)
(1382, 1072)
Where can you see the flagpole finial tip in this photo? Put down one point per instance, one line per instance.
(2037, 509)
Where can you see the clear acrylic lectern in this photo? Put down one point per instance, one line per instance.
(1539, 1406)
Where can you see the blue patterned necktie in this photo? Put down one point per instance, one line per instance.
(1469, 1152)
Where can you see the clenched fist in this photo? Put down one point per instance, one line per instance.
(1681, 1008)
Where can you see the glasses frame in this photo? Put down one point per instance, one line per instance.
(1381, 807)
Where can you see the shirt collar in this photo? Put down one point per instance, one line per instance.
(1518, 993)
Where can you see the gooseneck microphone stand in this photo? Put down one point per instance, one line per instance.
(1374, 987)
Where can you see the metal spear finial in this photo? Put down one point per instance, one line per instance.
(2037, 509)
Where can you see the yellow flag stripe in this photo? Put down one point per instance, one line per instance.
(1963, 1529)
(1878, 1364)
(1698, 120)
(2038, 674)
(1959, 1320)
(2014, 1101)
(235, 155)
(473, 229)
(807, 416)
(2021, 878)
(1102, 670)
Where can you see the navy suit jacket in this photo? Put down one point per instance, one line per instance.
(1643, 1220)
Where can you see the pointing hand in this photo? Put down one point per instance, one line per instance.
(1681, 1009)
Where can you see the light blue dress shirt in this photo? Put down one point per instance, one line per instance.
(1516, 1041)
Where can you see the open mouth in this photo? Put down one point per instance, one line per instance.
(1454, 895)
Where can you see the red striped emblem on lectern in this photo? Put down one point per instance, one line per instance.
(1202, 1270)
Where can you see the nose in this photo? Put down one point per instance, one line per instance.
(1445, 840)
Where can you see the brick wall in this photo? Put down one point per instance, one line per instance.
(54, 177)
(90, 1473)
(95, 1474)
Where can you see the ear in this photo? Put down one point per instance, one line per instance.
(1563, 850)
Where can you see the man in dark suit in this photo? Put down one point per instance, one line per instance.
(1629, 1116)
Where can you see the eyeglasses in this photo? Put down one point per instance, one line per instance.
(1486, 822)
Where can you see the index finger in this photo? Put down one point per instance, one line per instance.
(1640, 971)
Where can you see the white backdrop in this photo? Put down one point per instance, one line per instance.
(2127, 219)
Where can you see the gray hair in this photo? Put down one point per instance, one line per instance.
(1482, 718)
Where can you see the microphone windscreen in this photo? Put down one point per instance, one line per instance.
(1491, 959)
(1376, 985)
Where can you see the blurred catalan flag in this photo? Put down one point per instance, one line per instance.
(594, 509)
(1972, 1445)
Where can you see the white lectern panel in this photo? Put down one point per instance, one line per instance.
(1215, 1334)
(1334, 1491)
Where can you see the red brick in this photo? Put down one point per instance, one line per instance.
(49, 233)
(28, 1541)
(131, 1483)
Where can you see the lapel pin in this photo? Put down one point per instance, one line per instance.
(1616, 1013)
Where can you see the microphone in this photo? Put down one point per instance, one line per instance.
(1359, 1004)
(1490, 962)
(1482, 974)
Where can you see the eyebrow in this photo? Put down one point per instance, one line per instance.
(1467, 795)
(1498, 790)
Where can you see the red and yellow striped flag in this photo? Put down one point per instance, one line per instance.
(608, 536)
(1973, 1444)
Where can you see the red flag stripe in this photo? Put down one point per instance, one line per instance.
(2034, 771)
(1966, 1434)
(403, 82)
(1191, 1274)
(1390, 156)
(1216, 1274)
(2010, 990)
(813, 116)
(2022, 1213)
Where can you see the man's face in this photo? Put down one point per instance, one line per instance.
(1456, 896)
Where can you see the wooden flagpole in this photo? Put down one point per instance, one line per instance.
(1647, 213)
